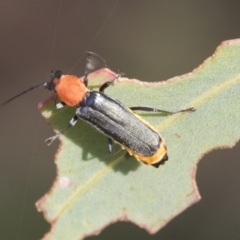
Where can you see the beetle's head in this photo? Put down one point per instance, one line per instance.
(53, 81)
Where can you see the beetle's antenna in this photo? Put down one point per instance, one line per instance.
(20, 94)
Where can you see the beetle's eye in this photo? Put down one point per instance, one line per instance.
(54, 80)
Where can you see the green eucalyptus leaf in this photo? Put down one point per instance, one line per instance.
(94, 189)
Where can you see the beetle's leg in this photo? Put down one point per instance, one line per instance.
(85, 80)
(60, 104)
(110, 145)
(71, 124)
(108, 83)
(151, 109)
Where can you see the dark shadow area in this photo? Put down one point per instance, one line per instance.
(93, 143)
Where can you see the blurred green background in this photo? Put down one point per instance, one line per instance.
(149, 40)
